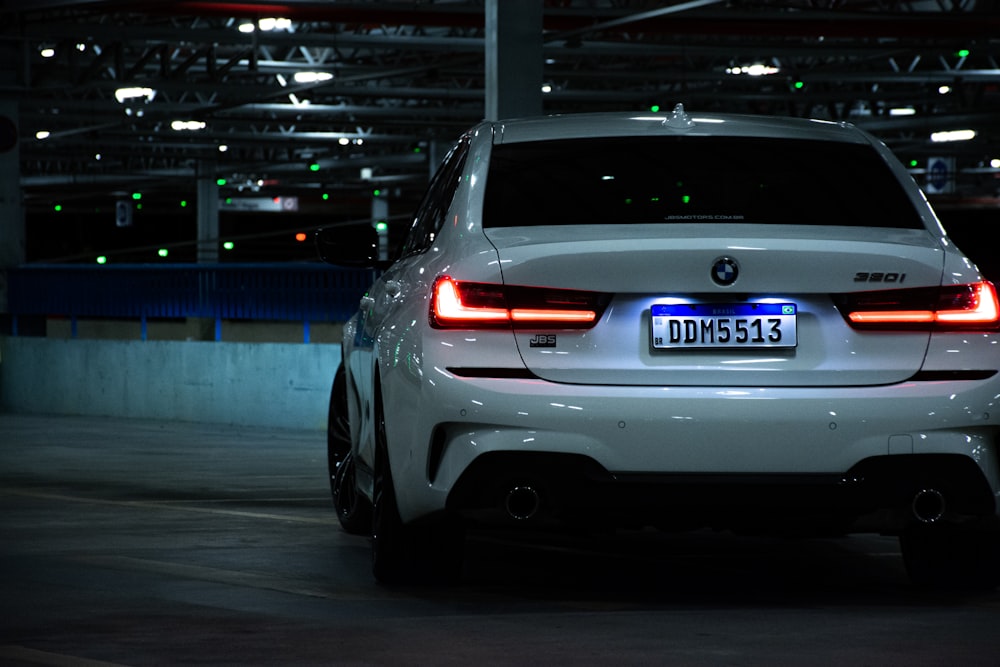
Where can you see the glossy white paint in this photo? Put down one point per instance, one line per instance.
(840, 396)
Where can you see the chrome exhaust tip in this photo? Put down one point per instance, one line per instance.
(522, 503)
(928, 505)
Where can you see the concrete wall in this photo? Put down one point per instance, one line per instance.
(254, 384)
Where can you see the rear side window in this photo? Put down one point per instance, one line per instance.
(628, 180)
(429, 217)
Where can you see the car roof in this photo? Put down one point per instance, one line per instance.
(673, 123)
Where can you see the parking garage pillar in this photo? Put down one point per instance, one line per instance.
(208, 215)
(208, 239)
(12, 236)
(513, 59)
(11, 211)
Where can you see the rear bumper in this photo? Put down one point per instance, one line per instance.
(708, 450)
(880, 494)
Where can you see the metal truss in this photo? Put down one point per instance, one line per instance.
(399, 80)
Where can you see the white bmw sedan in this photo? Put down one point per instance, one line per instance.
(670, 320)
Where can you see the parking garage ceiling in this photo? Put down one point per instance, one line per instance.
(297, 96)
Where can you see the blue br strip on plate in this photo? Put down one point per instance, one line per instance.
(722, 309)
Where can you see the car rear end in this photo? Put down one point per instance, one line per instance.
(716, 321)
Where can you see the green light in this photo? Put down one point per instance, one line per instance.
(416, 149)
(102, 260)
(137, 196)
(962, 53)
(220, 182)
(654, 199)
(325, 196)
(628, 200)
(228, 245)
(799, 85)
(138, 207)
(314, 166)
(376, 192)
(229, 200)
(184, 203)
(654, 108)
(381, 226)
(58, 207)
(914, 163)
(686, 199)
(162, 252)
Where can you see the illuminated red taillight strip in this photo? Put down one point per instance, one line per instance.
(951, 307)
(552, 316)
(902, 316)
(456, 304)
(984, 310)
(448, 308)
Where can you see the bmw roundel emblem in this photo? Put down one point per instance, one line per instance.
(725, 271)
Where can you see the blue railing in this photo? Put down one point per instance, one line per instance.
(269, 292)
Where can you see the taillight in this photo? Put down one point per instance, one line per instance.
(951, 307)
(469, 305)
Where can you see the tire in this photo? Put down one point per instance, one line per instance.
(948, 557)
(391, 541)
(338, 428)
(430, 550)
(353, 510)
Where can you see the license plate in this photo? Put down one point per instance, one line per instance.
(729, 325)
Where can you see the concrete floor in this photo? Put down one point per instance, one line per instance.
(153, 543)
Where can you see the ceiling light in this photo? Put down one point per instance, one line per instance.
(134, 92)
(274, 24)
(902, 111)
(183, 125)
(757, 69)
(953, 135)
(312, 77)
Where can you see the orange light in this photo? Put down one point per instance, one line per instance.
(300, 237)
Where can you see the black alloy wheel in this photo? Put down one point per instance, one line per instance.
(353, 508)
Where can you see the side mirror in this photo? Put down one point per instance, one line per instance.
(355, 246)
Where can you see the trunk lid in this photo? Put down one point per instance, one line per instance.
(797, 268)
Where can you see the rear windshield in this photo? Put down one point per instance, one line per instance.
(693, 179)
